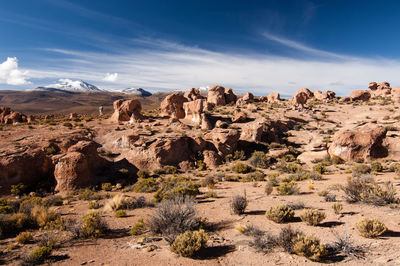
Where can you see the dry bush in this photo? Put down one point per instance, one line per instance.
(287, 238)
(288, 188)
(319, 168)
(263, 243)
(242, 168)
(269, 188)
(345, 245)
(297, 205)
(138, 228)
(24, 237)
(176, 186)
(239, 204)
(310, 247)
(146, 185)
(92, 225)
(313, 217)
(337, 207)
(365, 189)
(280, 214)
(260, 160)
(189, 243)
(88, 194)
(39, 255)
(173, 217)
(120, 214)
(370, 228)
(106, 186)
(115, 203)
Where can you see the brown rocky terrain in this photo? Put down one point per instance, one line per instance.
(338, 156)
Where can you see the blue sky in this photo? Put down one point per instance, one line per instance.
(261, 46)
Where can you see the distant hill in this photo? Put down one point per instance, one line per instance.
(57, 101)
(137, 92)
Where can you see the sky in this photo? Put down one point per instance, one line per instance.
(259, 46)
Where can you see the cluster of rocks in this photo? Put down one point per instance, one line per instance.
(301, 97)
(8, 116)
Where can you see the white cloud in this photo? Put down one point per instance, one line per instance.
(10, 74)
(111, 77)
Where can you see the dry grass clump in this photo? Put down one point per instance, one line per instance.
(280, 214)
(24, 237)
(92, 225)
(345, 245)
(337, 207)
(319, 168)
(288, 188)
(239, 204)
(260, 159)
(106, 186)
(146, 185)
(120, 214)
(138, 228)
(313, 217)
(242, 168)
(88, 194)
(173, 217)
(370, 228)
(365, 189)
(176, 186)
(189, 243)
(310, 247)
(39, 255)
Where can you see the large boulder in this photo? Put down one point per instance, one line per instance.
(273, 97)
(326, 96)
(309, 93)
(246, 99)
(252, 132)
(360, 95)
(194, 109)
(172, 106)
(224, 140)
(379, 89)
(216, 95)
(193, 94)
(299, 100)
(127, 110)
(230, 97)
(78, 167)
(396, 94)
(351, 145)
(8, 116)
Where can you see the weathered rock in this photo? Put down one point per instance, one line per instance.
(372, 85)
(380, 89)
(193, 94)
(224, 140)
(239, 117)
(246, 99)
(172, 106)
(211, 159)
(351, 145)
(230, 97)
(73, 115)
(252, 132)
(128, 110)
(8, 116)
(360, 95)
(273, 97)
(299, 100)
(396, 94)
(216, 95)
(194, 109)
(205, 122)
(344, 99)
(326, 96)
(309, 93)
(78, 167)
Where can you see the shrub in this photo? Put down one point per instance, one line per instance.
(242, 168)
(209, 182)
(319, 168)
(137, 228)
(116, 203)
(288, 188)
(43, 215)
(92, 225)
(168, 169)
(309, 247)
(173, 217)
(263, 242)
(345, 245)
(315, 176)
(24, 237)
(260, 159)
(287, 237)
(376, 167)
(54, 200)
(370, 228)
(337, 207)
(39, 255)
(336, 159)
(290, 168)
(200, 165)
(312, 217)
(94, 204)
(143, 174)
(176, 186)
(106, 186)
(88, 194)
(17, 190)
(360, 169)
(364, 189)
(239, 204)
(146, 185)
(211, 194)
(190, 242)
(120, 214)
(273, 179)
(280, 214)
(269, 188)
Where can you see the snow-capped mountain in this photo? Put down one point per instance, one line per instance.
(136, 92)
(70, 85)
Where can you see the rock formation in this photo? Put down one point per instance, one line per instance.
(8, 116)
(172, 106)
(216, 95)
(129, 110)
(360, 95)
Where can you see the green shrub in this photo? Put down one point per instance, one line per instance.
(360, 169)
(54, 200)
(260, 159)
(370, 228)
(146, 185)
(288, 188)
(94, 204)
(176, 186)
(120, 214)
(337, 207)
(336, 159)
(313, 217)
(106, 186)
(137, 228)
(200, 165)
(24, 237)
(376, 167)
(253, 177)
(239, 204)
(319, 168)
(143, 174)
(310, 247)
(189, 243)
(290, 168)
(168, 169)
(242, 168)
(88, 194)
(280, 214)
(39, 255)
(92, 225)
(273, 179)
(17, 190)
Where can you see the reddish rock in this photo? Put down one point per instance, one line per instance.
(252, 132)
(380, 89)
(246, 99)
(344, 99)
(8, 116)
(230, 97)
(127, 110)
(205, 122)
(224, 140)
(273, 97)
(309, 93)
(239, 117)
(373, 85)
(360, 95)
(299, 100)
(194, 109)
(396, 94)
(73, 115)
(351, 145)
(193, 94)
(216, 95)
(211, 159)
(172, 106)
(326, 96)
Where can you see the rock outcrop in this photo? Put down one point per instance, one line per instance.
(193, 94)
(224, 140)
(360, 95)
(194, 109)
(246, 99)
(299, 99)
(351, 145)
(172, 106)
(273, 97)
(309, 93)
(230, 97)
(216, 95)
(379, 89)
(252, 132)
(127, 110)
(8, 116)
(326, 96)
